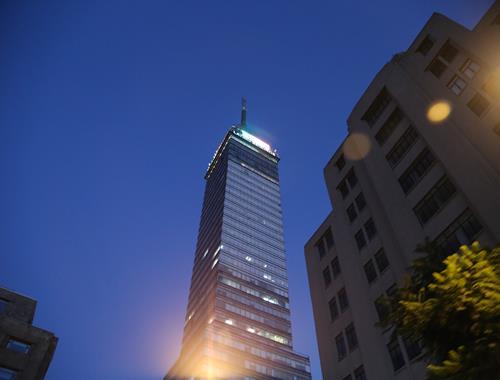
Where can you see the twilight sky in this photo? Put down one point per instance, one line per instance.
(109, 114)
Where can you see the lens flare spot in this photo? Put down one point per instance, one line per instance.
(438, 111)
(357, 146)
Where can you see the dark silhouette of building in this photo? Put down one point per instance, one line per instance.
(25, 350)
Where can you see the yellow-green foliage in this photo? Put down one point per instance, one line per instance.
(456, 315)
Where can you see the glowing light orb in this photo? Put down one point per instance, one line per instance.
(357, 146)
(438, 111)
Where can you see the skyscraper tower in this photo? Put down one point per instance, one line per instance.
(238, 317)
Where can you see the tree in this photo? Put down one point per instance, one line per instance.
(452, 307)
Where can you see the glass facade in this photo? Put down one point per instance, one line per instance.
(238, 318)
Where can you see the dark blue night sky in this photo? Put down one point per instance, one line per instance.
(109, 114)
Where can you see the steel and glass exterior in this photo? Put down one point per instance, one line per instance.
(238, 318)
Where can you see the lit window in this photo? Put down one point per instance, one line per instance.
(470, 68)
(457, 85)
(16, 345)
(478, 104)
(7, 374)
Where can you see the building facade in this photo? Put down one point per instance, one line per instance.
(421, 161)
(237, 322)
(25, 350)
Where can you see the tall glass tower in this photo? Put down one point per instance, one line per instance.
(238, 317)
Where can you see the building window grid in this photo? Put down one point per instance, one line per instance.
(402, 146)
(352, 339)
(435, 200)
(389, 126)
(417, 170)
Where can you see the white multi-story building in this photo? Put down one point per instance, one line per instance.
(421, 161)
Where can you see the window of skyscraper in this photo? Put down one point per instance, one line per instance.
(470, 68)
(396, 355)
(351, 212)
(360, 202)
(351, 178)
(378, 106)
(426, 45)
(352, 339)
(335, 267)
(343, 300)
(370, 229)
(448, 52)
(359, 373)
(360, 239)
(334, 311)
(436, 67)
(478, 104)
(381, 307)
(457, 85)
(381, 260)
(371, 273)
(341, 348)
(327, 277)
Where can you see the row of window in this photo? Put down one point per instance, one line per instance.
(412, 348)
(343, 303)
(389, 126)
(327, 277)
(340, 342)
(435, 199)
(369, 229)
(402, 146)
(417, 170)
(381, 262)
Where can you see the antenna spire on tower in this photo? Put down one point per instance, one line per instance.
(243, 122)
